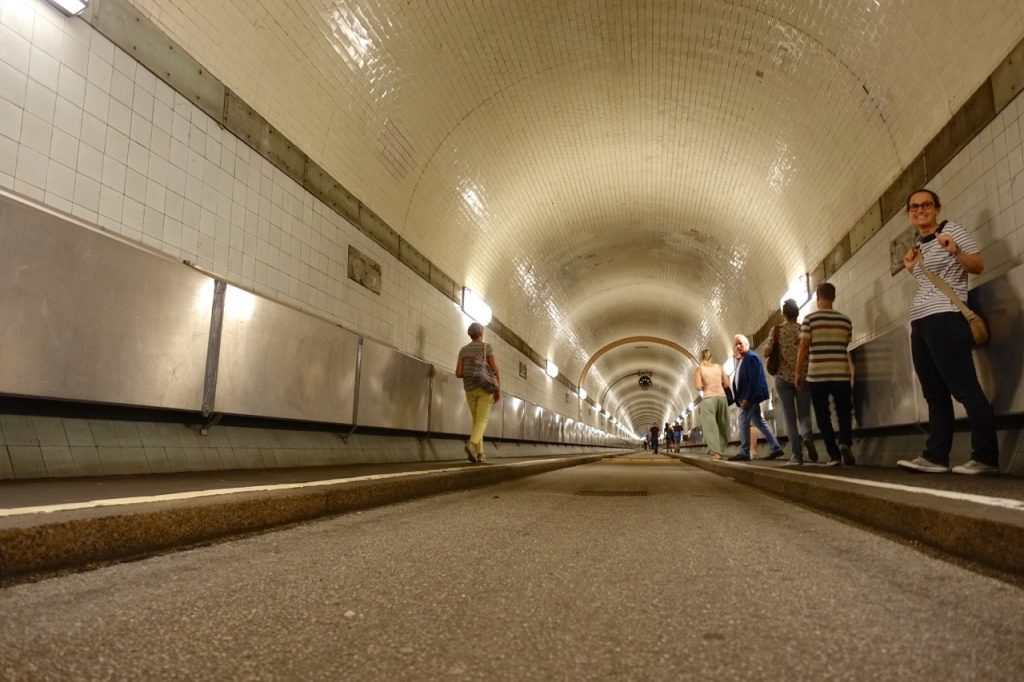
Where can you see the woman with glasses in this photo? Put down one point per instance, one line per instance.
(940, 340)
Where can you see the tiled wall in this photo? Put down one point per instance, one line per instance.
(85, 129)
(982, 189)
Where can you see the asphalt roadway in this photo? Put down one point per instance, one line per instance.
(687, 576)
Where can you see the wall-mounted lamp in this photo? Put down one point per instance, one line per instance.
(70, 7)
(551, 369)
(475, 307)
(597, 407)
(582, 393)
(799, 290)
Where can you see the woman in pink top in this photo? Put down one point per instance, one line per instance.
(711, 379)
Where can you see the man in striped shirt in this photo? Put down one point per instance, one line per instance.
(824, 338)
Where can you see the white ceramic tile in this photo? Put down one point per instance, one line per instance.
(100, 72)
(44, 68)
(68, 117)
(40, 100)
(75, 55)
(10, 119)
(90, 162)
(8, 159)
(14, 49)
(111, 203)
(31, 168)
(36, 133)
(19, 17)
(60, 181)
(13, 84)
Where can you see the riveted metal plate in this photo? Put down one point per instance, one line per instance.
(912, 177)
(1008, 78)
(127, 28)
(378, 230)
(865, 228)
(323, 186)
(415, 260)
(246, 123)
(443, 283)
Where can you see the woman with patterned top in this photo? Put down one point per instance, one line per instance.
(479, 397)
(940, 340)
(796, 404)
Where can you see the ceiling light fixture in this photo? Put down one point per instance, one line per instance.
(70, 7)
(475, 307)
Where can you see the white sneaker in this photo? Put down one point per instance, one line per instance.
(975, 467)
(923, 465)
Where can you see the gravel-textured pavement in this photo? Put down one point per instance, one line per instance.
(701, 579)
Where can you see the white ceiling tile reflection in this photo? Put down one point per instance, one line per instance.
(599, 169)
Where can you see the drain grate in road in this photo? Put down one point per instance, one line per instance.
(612, 493)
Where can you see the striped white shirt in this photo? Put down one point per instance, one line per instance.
(929, 299)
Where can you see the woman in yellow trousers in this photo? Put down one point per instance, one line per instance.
(481, 380)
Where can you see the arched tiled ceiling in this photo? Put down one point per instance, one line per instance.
(598, 169)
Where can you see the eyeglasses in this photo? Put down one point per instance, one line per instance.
(923, 204)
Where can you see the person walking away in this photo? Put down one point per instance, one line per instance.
(796, 405)
(483, 387)
(750, 389)
(940, 340)
(823, 364)
(710, 379)
(654, 438)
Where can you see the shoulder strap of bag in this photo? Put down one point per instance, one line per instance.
(948, 291)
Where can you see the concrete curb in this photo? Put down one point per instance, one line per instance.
(990, 536)
(75, 539)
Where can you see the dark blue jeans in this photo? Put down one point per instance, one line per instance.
(941, 347)
(842, 394)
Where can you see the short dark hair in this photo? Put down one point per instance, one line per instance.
(827, 291)
(790, 309)
(935, 197)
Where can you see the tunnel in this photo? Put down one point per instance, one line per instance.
(242, 244)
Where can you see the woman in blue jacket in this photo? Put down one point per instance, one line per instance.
(750, 388)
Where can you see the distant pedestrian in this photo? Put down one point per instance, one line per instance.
(654, 438)
(481, 380)
(940, 340)
(824, 342)
(750, 388)
(796, 404)
(677, 437)
(710, 379)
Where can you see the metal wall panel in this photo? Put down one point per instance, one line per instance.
(393, 389)
(1001, 363)
(531, 421)
(84, 316)
(449, 412)
(513, 414)
(886, 390)
(279, 362)
(496, 422)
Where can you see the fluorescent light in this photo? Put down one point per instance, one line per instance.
(70, 7)
(551, 369)
(597, 407)
(582, 393)
(475, 307)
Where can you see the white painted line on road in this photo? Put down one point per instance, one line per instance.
(193, 494)
(1002, 502)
